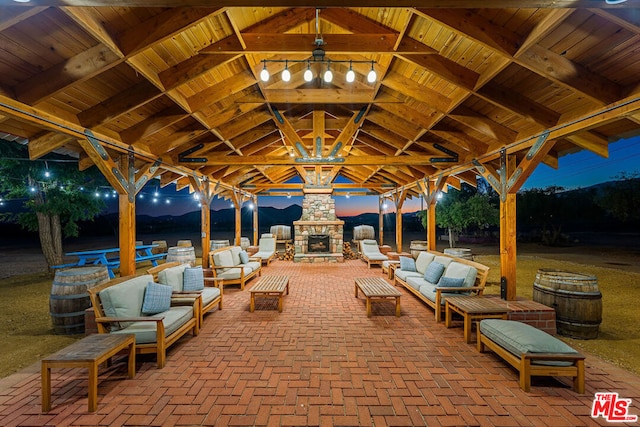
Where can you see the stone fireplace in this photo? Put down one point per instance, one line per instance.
(318, 232)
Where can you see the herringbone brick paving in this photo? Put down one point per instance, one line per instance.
(319, 362)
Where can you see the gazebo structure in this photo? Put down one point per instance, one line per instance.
(235, 101)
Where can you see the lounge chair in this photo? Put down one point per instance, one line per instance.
(371, 252)
(266, 249)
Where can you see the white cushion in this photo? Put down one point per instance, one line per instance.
(173, 276)
(223, 259)
(235, 254)
(456, 270)
(423, 261)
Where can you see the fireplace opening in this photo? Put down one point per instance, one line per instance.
(318, 243)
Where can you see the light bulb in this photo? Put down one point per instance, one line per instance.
(351, 76)
(264, 74)
(372, 76)
(308, 75)
(328, 76)
(286, 74)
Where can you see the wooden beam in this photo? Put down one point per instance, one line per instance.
(46, 143)
(320, 96)
(79, 68)
(192, 68)
(153, 124)
(463, 4)
(346, 161)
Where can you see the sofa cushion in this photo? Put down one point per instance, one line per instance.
(125, 299)
(234, 273)
(209, 294)
(433, 272)
(173, 276)
(193, 279)
(444, 260)
(423, 261)
(416, 282)
(450, 282)
(157, 298)
(407, 264)
(458, 270)
(223, 259)
(173, 319)
(518, 338)
(253, 265)
(235, 255)
(244, 257)
(405, 275)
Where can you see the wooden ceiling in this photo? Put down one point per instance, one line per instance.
(456, 85)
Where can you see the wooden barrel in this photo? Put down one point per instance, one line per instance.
(161, 248)
(282, 232)
(217, 244)
(361, 232)
(185, 243)
(418, 246)
(459, 253)
(69, 297)
(182, 254)
(244, 243)
(576, 299)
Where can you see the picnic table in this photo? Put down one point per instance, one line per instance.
(106, 257)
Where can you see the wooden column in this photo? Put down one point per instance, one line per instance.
(205, 195)
(430, 191)
(255, 220)
(127, 182)
(507, 182)
(381, 219)
(398, 200)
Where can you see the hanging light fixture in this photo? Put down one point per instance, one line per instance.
(308, 74)
(318, 56)
(328, 75)
(372, 76)
(264, 74)
(286, 74)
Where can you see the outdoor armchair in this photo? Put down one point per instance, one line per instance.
(371, 252)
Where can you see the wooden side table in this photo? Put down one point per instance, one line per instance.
(269, 286)
(473, 308)
(376, 288)
(89, 353)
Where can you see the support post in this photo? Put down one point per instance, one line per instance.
(381, 219)
(255, 220)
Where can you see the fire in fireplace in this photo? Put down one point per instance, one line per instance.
(318, 243)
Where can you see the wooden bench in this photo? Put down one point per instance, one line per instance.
(269, 286)
(569, 364)
(375, 288)
(89, 353)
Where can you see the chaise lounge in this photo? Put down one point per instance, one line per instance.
(371, 252)
(266, 248)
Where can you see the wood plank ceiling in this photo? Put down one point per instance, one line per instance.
(455, 83)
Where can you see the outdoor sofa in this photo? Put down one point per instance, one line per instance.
(175, 274)
(137, 305)
(234, 266)
(434, 276)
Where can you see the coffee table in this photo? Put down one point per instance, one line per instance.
(473, 308)
(89, 353)
(375, 288)
(269, 286)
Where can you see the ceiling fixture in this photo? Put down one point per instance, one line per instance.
(318, 57)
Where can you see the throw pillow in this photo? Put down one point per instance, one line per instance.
(450, 282)
(433, 272)
(193, 279)
(407, 264)
(244, 257)
(157, 298)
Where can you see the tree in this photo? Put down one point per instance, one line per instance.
(622, 198)
(461, 210)
(53, 193)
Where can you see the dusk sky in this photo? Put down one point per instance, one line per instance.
(577, 170)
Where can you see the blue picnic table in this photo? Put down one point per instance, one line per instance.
(107, 257)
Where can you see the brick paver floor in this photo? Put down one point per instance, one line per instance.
(319, 362)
